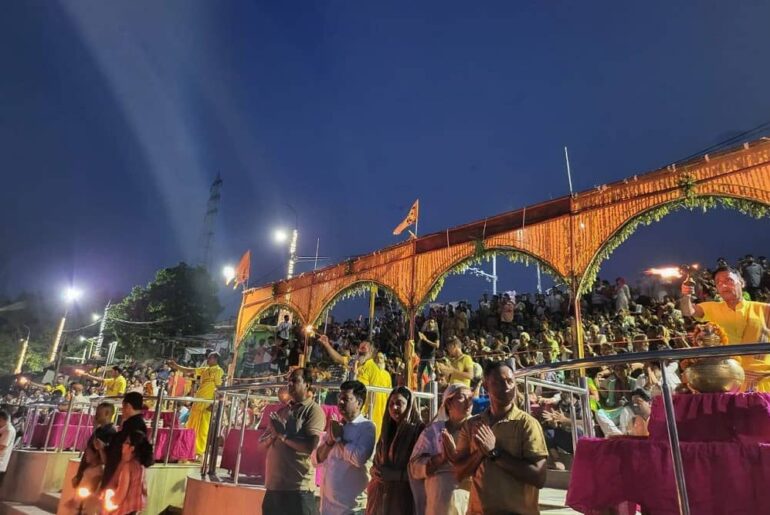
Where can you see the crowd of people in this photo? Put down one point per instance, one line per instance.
(388, 455)
(493, 462)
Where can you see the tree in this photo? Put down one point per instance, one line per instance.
(27, 311)
(180, 301)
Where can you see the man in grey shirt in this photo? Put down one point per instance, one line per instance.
(293, 433)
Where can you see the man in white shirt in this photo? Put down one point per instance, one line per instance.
(345, 453)
(7, 439)
(284, 330)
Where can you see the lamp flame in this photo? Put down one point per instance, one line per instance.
(669, 272)
(83, 492)
(109, 503)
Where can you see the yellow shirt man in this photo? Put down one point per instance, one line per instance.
(462, 363)
(115, 387)
(747, 324)
(372, 375)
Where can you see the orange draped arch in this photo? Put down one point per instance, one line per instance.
(435, 278)
(333, 297)
(571, 235)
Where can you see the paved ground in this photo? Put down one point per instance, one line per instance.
(552, 502)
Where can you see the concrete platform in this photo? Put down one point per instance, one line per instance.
(31, 473)
(165, 486)
(552, 502)
(204, 497)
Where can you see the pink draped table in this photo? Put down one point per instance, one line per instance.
(725, 457)
(715, 417)
(722, 477)
(253, 456)
(40, 431)
(182, 444)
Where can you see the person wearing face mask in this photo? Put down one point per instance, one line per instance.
(389, 491)
(364, 368)
(744, 321)
(444, 495)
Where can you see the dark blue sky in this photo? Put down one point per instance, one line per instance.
(116, 116)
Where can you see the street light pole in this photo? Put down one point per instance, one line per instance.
(292, 253)
(23, 355)
(59, 332)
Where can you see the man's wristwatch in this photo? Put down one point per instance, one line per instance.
(493, 454)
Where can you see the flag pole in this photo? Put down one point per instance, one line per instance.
(417, 219)
(569, 173)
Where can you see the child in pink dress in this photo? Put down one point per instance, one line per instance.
(127, 493)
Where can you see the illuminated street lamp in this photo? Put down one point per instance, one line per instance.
(95, 317)
(71, 295)
(229, 273)
(281, 236)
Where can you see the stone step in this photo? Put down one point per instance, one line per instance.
(553, 502)
(49, 501)
(17, 508)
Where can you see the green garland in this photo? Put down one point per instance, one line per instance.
(357, 289)
(691, 202)
(479, 248)
(514, 256)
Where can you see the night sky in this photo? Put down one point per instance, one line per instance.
(115, 117)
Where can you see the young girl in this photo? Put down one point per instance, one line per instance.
(127, 493)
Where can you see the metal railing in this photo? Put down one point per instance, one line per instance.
(662, 357)
(582, 393)
(229, 398)
(48, 411)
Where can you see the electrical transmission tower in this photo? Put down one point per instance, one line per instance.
(207, 234)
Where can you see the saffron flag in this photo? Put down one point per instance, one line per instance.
(411, 218)
(242, 270)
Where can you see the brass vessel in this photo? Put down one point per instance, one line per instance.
(712, 375)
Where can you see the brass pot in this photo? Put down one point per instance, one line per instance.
(712, 375)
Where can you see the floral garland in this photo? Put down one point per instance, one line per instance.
(687, 183)
(704, 330)
(358, 289)
(514, 256)
(747, 207)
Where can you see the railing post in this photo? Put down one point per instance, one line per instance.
(156, 418)
(434, 399)
(171, 431)
(573, 422)
(51, 416)
(29, 428)
(214, 433)
(80, 423)
(526, 395)
(237, 470)
(585, 399)
(66, 426)
(673, 439)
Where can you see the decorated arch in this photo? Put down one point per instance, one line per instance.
(358, 288)
(570, 235)
(481, 253)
